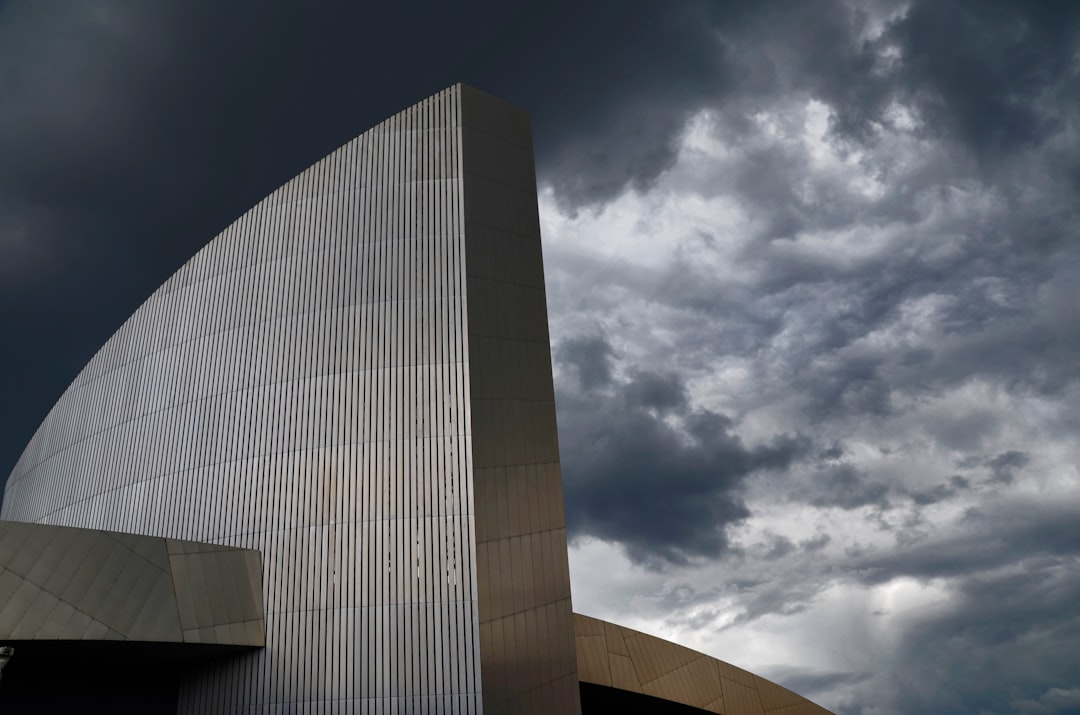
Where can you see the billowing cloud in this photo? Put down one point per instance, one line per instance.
(867, 241)
(648, 471)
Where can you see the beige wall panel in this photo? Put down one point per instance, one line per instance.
(588, 626)
(731, 672)
(623, 675)
(716, 706)
(592, 658)
(615, 641)
(695, 683)
(654, 657)
(669, 671)
(740, 699)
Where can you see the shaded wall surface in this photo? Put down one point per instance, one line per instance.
(525, 615)
(354, 378)
(83, 682)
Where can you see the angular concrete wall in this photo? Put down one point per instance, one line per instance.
(61, 583)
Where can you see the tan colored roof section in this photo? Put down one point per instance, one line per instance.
(622, 658)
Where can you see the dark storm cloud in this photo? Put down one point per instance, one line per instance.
(990, 76)
(998, 75)
(645, 470)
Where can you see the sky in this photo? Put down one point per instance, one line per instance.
(813, 271)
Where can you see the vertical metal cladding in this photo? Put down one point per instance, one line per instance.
(353, 378)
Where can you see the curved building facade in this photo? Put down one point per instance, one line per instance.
(353, 380)
(625, 670)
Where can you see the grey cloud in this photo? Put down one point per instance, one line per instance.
(814, 684)
(591, 359)
(941, 492)
(989, 539)
(817, 543)
(733, 58)
(662, 393)
(969, 462)
(846, 487)
(778, 547)
(985, 70)
(664, 483)
(1000, 636)
(630, 105)
(958, 482)
(921, 345)
(835, 451)
(966, 431)
(1004, 320)
(1004, 466)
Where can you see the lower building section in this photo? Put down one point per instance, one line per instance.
(627, 666)
(620, 670)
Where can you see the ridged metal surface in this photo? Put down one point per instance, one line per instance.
(303, 386)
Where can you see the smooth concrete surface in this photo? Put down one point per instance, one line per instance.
(66, 584)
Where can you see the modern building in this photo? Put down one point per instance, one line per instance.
(317, 470)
